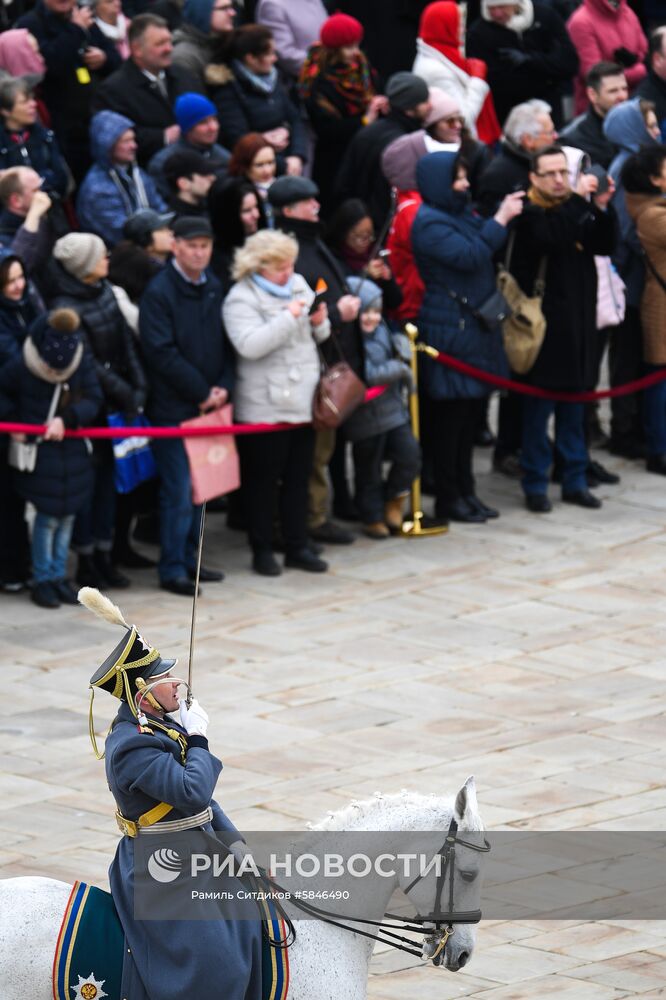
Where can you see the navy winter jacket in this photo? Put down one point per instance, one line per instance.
(39, 150)
(15, 320)
(454, 249)
(62, 480)
(184, 344)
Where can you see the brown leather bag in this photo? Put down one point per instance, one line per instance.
(338, 392)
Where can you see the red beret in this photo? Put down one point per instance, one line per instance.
(339, 30)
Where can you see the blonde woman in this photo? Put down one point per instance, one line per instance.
(268, 321)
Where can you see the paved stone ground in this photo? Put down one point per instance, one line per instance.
(527, 651)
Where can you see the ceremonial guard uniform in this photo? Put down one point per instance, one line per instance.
(158, 773)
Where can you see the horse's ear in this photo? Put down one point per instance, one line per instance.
(466, 803)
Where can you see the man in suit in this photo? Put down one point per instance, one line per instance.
(146, 86)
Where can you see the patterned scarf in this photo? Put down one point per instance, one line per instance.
(353, 83)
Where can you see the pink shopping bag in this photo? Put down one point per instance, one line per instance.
(213, 460)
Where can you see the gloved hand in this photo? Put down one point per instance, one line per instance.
(625, 57)
(516, 57)
(477, 68)
(407, 378)
(194, 719)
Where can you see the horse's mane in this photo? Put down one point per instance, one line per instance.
(403, 810)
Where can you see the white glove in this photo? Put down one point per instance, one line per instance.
(194, 719)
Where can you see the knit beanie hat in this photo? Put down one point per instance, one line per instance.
(56, 337)
(399, 160)
(79, 253)
(405, 90)
(339, 30)
(443, 106)
(190, 109)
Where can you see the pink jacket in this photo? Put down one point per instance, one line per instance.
(597, 29)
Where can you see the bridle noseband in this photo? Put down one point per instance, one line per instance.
(431, 925)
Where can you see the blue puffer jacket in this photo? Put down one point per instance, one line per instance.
(104, 201)
(382, 367)
(62, 480)
(454, 250)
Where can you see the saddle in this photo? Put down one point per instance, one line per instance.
(91, 946)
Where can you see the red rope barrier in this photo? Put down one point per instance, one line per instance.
(169, 432)
(533, 390)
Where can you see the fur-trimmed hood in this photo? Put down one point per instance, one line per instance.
(218, 74)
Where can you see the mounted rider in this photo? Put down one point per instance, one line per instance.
(162, 776)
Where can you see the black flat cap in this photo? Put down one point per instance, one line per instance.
(188, 227)
(289, 190)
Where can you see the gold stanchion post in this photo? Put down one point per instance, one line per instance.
(418, 525)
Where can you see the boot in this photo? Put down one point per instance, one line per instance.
(87, 574)
(377, 530)
(102, 563)
(393, 514)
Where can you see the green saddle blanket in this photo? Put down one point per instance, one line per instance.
(88, 961)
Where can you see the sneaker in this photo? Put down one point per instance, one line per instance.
(330, 533)
(65, 592)
(44, 595)
(12, 586)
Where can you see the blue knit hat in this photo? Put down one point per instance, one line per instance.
(190, 109)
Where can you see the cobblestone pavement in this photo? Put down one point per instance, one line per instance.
(528, 651)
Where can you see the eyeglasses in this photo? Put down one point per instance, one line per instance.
(552, 174)
(361, 237)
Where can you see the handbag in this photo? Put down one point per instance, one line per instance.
(490, 314)
(338, 393)
(525, 327)
(214, 468)
(22, 455)
(133, 458)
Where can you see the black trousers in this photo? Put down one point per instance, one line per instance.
(275, 468)
(509, 425)
(452, 426)
(14, 544)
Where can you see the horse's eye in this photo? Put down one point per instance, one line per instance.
(468, 875)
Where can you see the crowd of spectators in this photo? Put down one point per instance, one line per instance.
(202, 202)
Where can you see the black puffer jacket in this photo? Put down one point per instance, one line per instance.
(109, 339)
(62, 480)
(243, 108)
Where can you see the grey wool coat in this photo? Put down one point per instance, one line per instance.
(217, 959)
(277, 367)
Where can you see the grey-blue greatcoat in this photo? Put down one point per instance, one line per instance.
(216, 959)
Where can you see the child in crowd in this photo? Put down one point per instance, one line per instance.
(52, 382)
(380, 430)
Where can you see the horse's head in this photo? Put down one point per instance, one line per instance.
(457, 890)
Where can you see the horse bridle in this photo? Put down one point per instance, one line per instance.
(431, 924)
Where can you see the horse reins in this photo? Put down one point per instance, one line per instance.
(385, 935)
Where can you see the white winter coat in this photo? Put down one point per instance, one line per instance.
(277, 366)
(438, 71)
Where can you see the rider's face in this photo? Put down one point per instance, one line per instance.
(166, 693)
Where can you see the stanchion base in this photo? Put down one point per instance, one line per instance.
(421, 525)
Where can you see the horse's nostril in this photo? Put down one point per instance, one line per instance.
(463, 959)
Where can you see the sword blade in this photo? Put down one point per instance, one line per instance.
(190, 664)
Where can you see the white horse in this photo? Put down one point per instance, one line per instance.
(326, 962)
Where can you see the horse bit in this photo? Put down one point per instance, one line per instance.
(431, 925)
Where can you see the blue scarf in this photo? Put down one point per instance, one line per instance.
(265, 82)
(280, 291)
